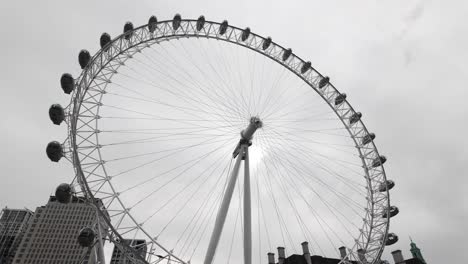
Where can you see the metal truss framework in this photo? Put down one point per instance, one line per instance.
(82, 146)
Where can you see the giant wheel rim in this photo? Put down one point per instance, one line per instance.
(375, 229)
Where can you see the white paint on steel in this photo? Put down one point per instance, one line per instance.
(247, 211)
(222, 213)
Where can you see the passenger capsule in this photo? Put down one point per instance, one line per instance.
(379, 161)
(305, 67)
(266, 43)
(67, 83)
(64, 193)
(200, 23)
(286, 54)
(128, 30)
(391, 239)
(324, 82)
(54, 151)
(387, 185)
(86, 237)
(245, 34)
(84, 58)
(355, 117)
(152, 24)
(104, 41)
(340, 99)
(56, 114)
(176, 21)
(392, 211)
(368, 138)
(223, 27)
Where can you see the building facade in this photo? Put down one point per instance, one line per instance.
(51, 235)
(13, 223)
(138, 244)
(415, 252)
(306, 257)
(301, 259)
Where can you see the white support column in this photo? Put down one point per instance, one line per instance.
(101, 257)
(247, 211)
(222, 213)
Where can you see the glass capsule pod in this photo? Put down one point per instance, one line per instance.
(355, 117)
(56, 114)
(64, 193)
(176, 22)
(104, 41)
(54, 151)
(266, 43)
(152, 24)
(379, 161)
(245, 34)
(392, 211)
(128, 30)
(86, 237)
(67, 83)
(386, 186)
(286, 54)
(305, 67)
(324, 82)
(200, 23)
(391, 239)
(83, 58)
(340, 99)
(223, 27)
(368, 138)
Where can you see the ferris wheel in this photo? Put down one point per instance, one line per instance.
(213, 144)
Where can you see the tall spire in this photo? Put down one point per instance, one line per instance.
(416, 252)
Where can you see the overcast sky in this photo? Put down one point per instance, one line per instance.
(402, 63)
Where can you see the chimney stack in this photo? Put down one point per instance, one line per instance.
(271, 258)
(281, 255)
(305, 250)
(397, 256)
(362, 255)
(342, 252)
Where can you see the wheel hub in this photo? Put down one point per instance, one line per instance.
(247, 134)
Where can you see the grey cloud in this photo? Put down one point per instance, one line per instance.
(409, 90)
(417, 11)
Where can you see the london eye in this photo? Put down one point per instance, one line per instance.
(217, 145)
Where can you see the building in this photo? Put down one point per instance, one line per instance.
(13, 223)
(138, 244)
(300, 259)
(51, 235)
(415, 252)
(305, 258)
